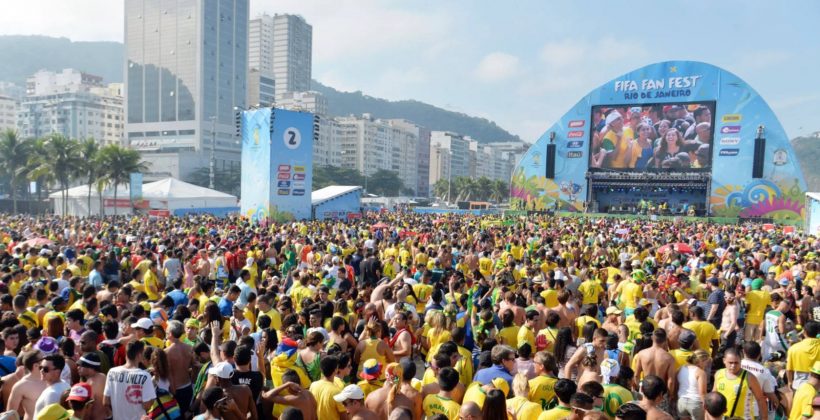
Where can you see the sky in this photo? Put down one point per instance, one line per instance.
(522, 64)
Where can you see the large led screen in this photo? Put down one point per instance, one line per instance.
(652, 137)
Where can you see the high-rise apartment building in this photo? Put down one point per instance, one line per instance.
(367, 145)
(282, 45)
(186, 69)
(8, 113)
(453, 155)
(75, 104)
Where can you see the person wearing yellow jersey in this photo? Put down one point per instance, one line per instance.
(686, 339)
(253, 270)
(509, 333)
(423, 291)
(740, 388)
(485, 265)
(542, 387)
(526, 333)
(564, 390)
(265, 305)
(144, 330)
(630, 292)
(300, 291)
(324, 390)
(756, 302)
(151, 281)
(588, 313)
(617, 393)
(706, 333)
(802, 355)
(442, 402)
(802, 402)
(591, 290)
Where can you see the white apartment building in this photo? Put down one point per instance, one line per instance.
(282, 46)
(8, 113)
(74, 104)
(367, 145)
(450, 152)
(310, 101)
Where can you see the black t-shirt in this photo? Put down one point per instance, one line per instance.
(252, 379)
(371, 269)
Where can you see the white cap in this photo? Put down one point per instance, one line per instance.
(222, 370)
(144, 323)
(350, 392)
(614, 115)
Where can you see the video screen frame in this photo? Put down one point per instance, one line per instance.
(699, 157)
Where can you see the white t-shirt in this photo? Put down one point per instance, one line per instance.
(50, 395)
(128, 389)
(767, 381)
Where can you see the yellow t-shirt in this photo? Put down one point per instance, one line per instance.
(705, 332)
(150, 279)
(485, 266)
(523, 408)
(526, 335)
(436, 404)
(590, 290)
(756, 302)
(582, 320)
(542, 390)
(509, 336)
(801, 406)
(631, 293)
(556, 413)
(464, 366)
(802, 355)
(550, 298)
(621, 160)
(326, 407)
(476, 394)
(549, 335)
(728, 388)
(680, 356)
(275, 319)
(423, 292)
(436, 339)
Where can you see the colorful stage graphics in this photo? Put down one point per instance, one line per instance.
(277, 168)
(739, 110)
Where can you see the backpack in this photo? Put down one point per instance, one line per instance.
(165, 406)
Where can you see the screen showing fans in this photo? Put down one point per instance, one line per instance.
(652, 137)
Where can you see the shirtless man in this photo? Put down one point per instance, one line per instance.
(656, 361)
(653, 389)
(397, 375)
(180, 363)
(598, 345)
(352, 397)
(518, 312)
(296, 396)
(567, 314)
(673, 326)
(402, 342)
(89, 369)
(24, 394)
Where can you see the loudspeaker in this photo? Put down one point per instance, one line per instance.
(550, 161)
(759, 158)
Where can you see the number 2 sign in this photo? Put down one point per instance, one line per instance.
(292, 138)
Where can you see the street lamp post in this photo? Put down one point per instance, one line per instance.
(212, 168)
(449, 176)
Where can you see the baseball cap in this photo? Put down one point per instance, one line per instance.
(46, 345)
(222, 370)
(371, 369)
(80, 392)
(644, 302)
(350, 392)
(192, 322)
(613, 310)
(784, 281)
(54, 412)
(144, 323)
(757, 284)
(686, 338)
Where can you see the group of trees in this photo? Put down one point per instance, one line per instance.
(382, 182)
(472, 189)
(57, 161)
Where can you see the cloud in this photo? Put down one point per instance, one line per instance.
(79, 20)
(496, 66)
(564, 53)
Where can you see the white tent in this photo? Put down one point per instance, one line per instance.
(812, 226)
(163, 197)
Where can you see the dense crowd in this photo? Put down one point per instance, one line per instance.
(402, 316)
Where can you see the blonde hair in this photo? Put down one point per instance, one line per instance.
(698, 356)
(521, 385)
(438, 322)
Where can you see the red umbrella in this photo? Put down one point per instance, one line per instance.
(439, 221)
(37, 242)
(679, 247)
(378, 226)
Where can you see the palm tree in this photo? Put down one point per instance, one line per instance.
(14, 153)
(441, 189)
(500, 191)
(89, 152)
(61, 160)
(118, 163)
(484, 188)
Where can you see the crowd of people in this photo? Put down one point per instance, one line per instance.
(674, 136)
(436, 317)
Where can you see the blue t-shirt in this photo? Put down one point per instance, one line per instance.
(7, 365)
(225, 307)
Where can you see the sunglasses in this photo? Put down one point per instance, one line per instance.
(45, 369)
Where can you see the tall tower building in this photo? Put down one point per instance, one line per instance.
(282, 46)
(186, 67)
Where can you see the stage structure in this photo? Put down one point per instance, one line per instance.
(679, 137)
(277, 168)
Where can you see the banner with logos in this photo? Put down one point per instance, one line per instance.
(255, 178)
(135, 188)
(674, 90)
